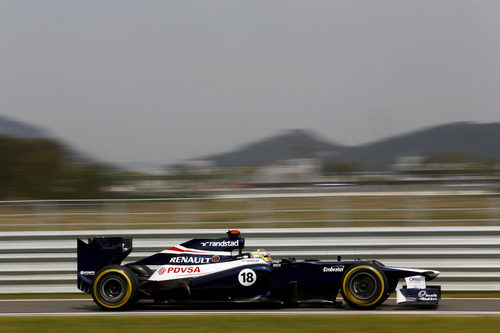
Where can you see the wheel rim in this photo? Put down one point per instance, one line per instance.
(363, 286)
(112, 289)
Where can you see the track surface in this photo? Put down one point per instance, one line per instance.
(472, 306)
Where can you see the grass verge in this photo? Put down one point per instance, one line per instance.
(253, 323)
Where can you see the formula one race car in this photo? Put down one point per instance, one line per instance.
(217, 270)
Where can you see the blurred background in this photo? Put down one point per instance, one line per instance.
(365, 129)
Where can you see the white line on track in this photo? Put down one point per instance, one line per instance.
(90, 300)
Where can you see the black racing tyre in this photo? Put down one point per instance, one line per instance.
(115, 288)
(364, 286)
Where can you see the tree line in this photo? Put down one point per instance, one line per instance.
(43, 168)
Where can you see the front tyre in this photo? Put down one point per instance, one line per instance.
(364, 286)
(115, 288)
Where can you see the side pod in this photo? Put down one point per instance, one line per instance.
(96, 254)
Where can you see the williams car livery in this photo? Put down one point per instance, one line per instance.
(215, 270)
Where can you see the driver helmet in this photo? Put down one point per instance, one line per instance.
(262, 254)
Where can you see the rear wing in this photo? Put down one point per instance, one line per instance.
(97, 253)
(232, 242)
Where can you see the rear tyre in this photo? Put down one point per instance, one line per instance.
(115, 288)
(364, 286)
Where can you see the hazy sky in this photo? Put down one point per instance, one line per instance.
(160, 81)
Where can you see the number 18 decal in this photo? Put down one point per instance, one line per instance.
(247, 277)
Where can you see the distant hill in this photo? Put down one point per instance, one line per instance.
(287, 145)
(20, 130)
(476, 140)
(481, 141)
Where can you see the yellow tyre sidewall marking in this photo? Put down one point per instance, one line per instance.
(127, 296)
(353, 299)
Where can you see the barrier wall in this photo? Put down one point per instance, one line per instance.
(468, 257)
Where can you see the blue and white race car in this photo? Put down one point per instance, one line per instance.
(218, 270)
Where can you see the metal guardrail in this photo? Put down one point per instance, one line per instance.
(468, 257)
(249, 211)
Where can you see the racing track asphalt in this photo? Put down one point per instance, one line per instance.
(80, 307)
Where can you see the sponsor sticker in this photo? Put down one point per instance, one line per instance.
(333, 269)
(87, 272)
(221, 243)
(162, 270)
(176, 270)
(416, 282)
(424, 296)
(189, 260)
(215, 258)
(247, 277)
(252, 261)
